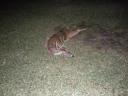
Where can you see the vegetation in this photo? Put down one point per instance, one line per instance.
(100, 65)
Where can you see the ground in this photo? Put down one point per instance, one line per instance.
(100, 65)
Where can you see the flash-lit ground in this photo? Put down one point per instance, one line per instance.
(98, 68)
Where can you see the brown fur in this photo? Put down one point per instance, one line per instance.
(55, 44)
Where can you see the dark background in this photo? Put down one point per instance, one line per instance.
(12, 3)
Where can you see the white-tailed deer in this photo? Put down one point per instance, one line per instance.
(55, 43)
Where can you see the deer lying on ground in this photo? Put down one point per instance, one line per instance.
(55, 43)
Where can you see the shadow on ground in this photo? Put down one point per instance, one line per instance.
(101, 38)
